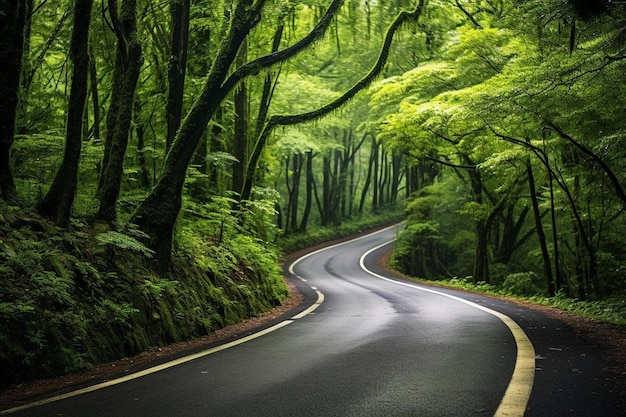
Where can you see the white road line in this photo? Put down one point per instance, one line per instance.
(518, 391)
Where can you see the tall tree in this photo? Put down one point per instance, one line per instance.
(58, 201)
(128, 62)
(180, 10)
(12, 21)
(157, 214)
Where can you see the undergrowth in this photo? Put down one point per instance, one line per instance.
(72, 299)
(318, 235)
(610, 310)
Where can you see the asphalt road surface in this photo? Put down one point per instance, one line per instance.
(365, 343)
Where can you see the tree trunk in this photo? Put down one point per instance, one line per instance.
(309, 192)
(368, 177)
(242, 115)
(12, 21)
(294, 195)
(555, 239)
(396, 176)
(264, 105)
(376, 173)
(140, 130)
(547, 265)
(93, 83)
(481, 256)
(326, 191)
(126, 74)
(177, 67)
(59, 200)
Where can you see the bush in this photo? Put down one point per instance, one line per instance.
(522, 283)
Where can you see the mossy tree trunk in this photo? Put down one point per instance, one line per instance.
(59, 199)
(241, 133)
(177, 67)
(264, 105)
(126, 73)
(12, 21)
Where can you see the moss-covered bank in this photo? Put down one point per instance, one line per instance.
(71, 299)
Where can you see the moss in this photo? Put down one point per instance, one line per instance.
(67, 304)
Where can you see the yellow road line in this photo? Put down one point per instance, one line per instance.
(148, 371)
(518, 391)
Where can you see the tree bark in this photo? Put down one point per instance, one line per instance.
(308, 193)
(177, 67)
(59, 199)
(241, 134)
(547, 265)
(12, 21)
(125, 77)
(368, 177)
(264, 105)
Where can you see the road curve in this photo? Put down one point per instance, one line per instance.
(364, 346)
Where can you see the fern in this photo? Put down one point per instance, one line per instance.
(125, 242)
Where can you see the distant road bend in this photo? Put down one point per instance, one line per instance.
(366, 344)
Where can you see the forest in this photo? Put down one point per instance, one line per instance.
(157, 158)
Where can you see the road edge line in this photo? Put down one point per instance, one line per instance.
(517, 394)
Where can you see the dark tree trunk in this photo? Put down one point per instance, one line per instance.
(375, 188)
(93, 83)
(240, 138)
(547, 264)
(12, 21)
(264, 105)
(125, 77)
(368, 177)
(28, 63)
(177, 67)
(140, 130)
(326, 191)
(382, 177)
(309, 192)
(396, 177)
(59, 200)
(294, 194)
(481, 256)
(555, 239)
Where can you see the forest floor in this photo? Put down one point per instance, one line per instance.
(610, 340)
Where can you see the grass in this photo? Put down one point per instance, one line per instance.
(611, 310)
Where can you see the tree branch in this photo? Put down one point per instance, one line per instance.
(585, 150)
(254, 67)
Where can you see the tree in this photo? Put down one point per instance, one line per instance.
(128, 62)
(180, 10)
(58, 202)
(12, 20)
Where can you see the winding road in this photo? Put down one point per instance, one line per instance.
(366, 343)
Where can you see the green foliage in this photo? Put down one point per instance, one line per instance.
(123, 241)
(522, 283)
(319, 235)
